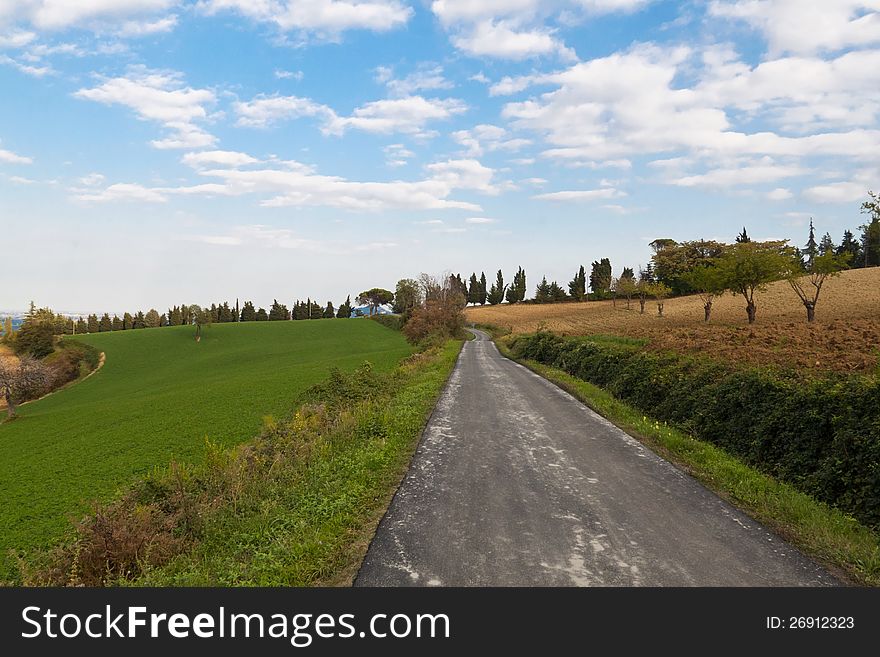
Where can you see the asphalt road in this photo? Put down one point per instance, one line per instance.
(516, 483)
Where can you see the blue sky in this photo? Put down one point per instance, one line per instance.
(157, 152)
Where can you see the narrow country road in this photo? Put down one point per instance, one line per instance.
(516, 483)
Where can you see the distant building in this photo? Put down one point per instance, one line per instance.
(364, 311)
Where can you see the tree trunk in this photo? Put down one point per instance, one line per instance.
(627, 303)
(752, 310)
(641, 306)
(811, 310)
(707, 308)
(10, 405)
(660, 308)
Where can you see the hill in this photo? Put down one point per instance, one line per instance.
(844, 337)
(158, 397)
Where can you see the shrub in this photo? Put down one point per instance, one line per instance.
(437, 320)
(394, 322)
(821, 436)
(35, 339)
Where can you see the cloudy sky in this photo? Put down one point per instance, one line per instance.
(155, 152)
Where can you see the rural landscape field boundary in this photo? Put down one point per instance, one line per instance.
(848, 548)
(296, 505)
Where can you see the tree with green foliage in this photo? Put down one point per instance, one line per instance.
(497, 291)
(377, 296)
(315, 309)
(407, 297)
(851, 246)
(92, 322)
(81, 326)
(826, 244)
(36, 339)
(200, 318)
(557, 293)
(248, 313)
(261, 316)
(675, 260)
(628, 273)
(151, 319)
(708, 282)
(115, 324)
(278, 312)
(748, 267)
(484, 292)
(163, 320)
(811, 249)
(743, 237)
(105, 324)
(127, 321)
(659, 291)
(473, 293)
(542, 291)
(871, 231)
(519, 285)
(600, 278)
(577, 288)
(139, 321)
(807, 282)
(329, 311)
(643, 285)
(627, 287)
(344, 311)
(7, 329)
(22, 379)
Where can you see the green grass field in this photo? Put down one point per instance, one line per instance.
(157, 398)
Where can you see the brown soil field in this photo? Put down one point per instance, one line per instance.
(844, 337)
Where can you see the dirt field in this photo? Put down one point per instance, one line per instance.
(844, 337)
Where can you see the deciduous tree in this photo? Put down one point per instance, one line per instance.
(376, 297)
(18, 380)
(748, 267)
(807, 282)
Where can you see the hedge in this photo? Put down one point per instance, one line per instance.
(820, 435)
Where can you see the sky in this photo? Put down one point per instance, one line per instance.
(158, 152)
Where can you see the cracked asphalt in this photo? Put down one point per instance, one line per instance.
(516, 483)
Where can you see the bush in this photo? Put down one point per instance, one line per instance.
(35, 339)
(438, 320)
(72, 360)
(394, 322)
(821, 436)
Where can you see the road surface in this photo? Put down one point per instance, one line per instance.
(516, 483)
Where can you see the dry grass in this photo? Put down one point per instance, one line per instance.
(844, 337)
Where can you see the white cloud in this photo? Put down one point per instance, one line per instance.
(504, 40)
(750, 172)
(147, 27)
(121, 192)
(292, 184)
(480, 220)
(580, 195)
(397, 155)
(779, 194)
(16, 39)
(318, 16)
(289, 75)
(264, 111)
(425, 78)
(27, 69)
(218, 158)
(20, 180)
(839, 192)
(92, 180)
(61, 14)
(159, 96)
(487, 138)
(803, 27)
(9, 157)
(405, 115)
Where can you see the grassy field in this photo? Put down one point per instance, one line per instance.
(844, 337)
(157, 398)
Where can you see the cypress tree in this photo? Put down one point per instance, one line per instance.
(743, 237)
(473, 293)
(344, 311)
(81, 326)
(116, 324)
(577, 288)
(483, 291)
(542, 292)
(248, 313)
(850, 245)
(106, 324)
(139, 320)
(811, 249)
(93, 324)
(497, 291)
(329, 311)
(261, 315)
